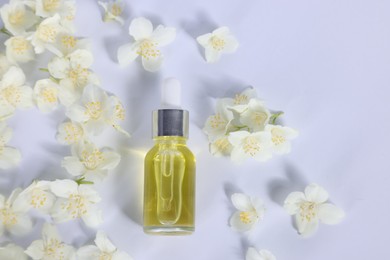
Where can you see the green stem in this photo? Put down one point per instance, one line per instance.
(83, 181)
(5, 31)
(44, 69)
(274, 117)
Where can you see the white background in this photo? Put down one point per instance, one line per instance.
(326, 64)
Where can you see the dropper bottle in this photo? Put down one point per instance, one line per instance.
(169, 180)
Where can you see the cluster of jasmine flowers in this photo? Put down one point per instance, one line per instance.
(47, 26)
(243, 127)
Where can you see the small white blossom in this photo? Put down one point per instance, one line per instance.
(50, 247)
(67, 43)
(73, 71)
(75, 201)
(219, 41)
(253, 254)
(13, 93)
(147, 44)
(12, 252)
(249, 212)
(37, 196)
(256, 116)
(9, 156)
(16, 17)
(48, 94)
(241, 101)
(280, 137)
(71, 133)
(13, 216)
(90, 162)
(45, 37)
(95, 111)
(221, 146)
(310, 208)
(19, 49)
(104, 249)
(112, 10)
(256, 145)
(217, 125)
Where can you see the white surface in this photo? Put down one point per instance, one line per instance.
(326, 64)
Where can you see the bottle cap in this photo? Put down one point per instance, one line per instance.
(170, 119)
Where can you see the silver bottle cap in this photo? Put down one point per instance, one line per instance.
(170, 122)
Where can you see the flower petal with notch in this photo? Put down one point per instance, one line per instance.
(90, 162)
(219, 41)
(280, 137)
(217, 125)
(75, 201)
(253, 254)
(146, 44)
(310, 208)
(50, 247)
(13, 218)
(112, 10)
(249, 212)
(256, 145)
(9, 156)
(104, 249)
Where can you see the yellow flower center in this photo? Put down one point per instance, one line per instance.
(50, 5)
(68, 41)
(92, 160)
(20, 45)
(79, 76)
(223, 145)
(94, 109)
(16, 18)
(246, 217)
(38, 198)
(76, 206)
(12, 95)
(105, 256)
(116, 9)
(148, 50)
(47, 33)
(251, 146)
(241, 99)
(54, 249)
(217, 43)
(308, 211)
(8, 217)
(73, 132)
(217, 121)
(49, 95)
(119, 112)
(277, 137)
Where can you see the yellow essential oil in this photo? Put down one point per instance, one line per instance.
(169, 174)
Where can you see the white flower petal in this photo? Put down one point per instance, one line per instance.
(120, 255)
(82, 58)
(63, 188)
(93, 218)
(163, 35)
(316, 193)
(204, 39)
(9, 157)
(77, 113)
(140, 28)
(59, 67)
(103, 243)
(111, 160)
(306, 228)
(49, 232)
(242, 202)
(127, 53)
(88, 252)
(36, 249)
(14, 77)
(73, 165)
(22, 226)
(237, 225)
(152, 64)
(330, 214)
(212, 55)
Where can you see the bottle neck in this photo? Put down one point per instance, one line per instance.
(170, 140)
